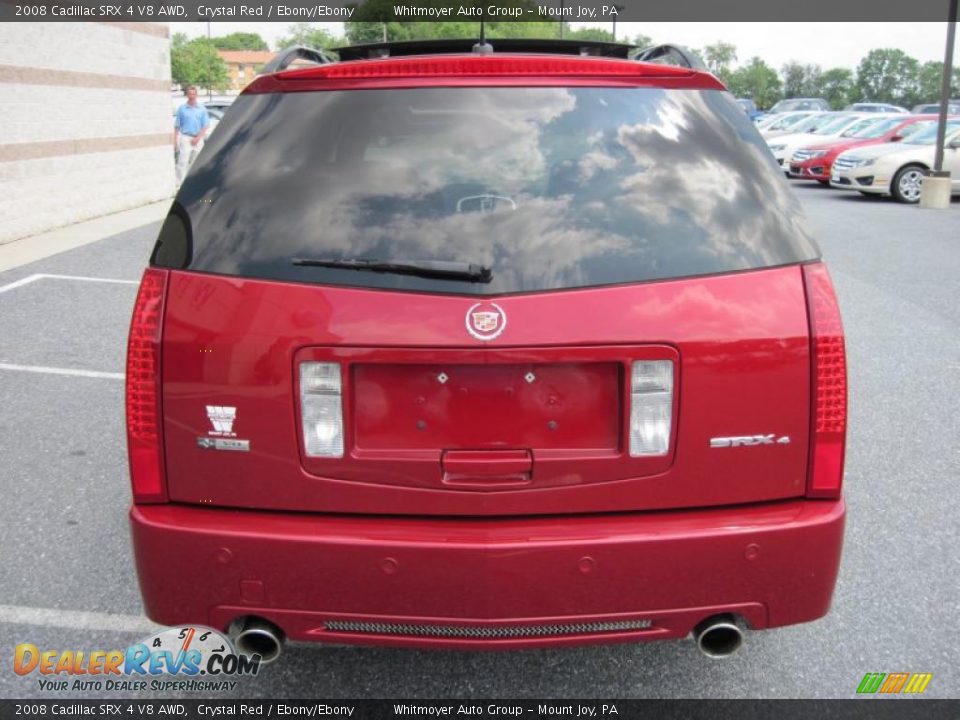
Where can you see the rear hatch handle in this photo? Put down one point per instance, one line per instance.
(487, 469)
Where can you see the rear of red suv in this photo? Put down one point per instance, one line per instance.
(476, 351)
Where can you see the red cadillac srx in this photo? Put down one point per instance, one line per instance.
(494, 347)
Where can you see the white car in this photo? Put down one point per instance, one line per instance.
(826, 128)
(785, 122)
(898, 169)
(876, 108)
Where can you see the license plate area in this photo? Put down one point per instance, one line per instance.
(454, 406)
(404, 409)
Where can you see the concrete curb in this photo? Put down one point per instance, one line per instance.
(37, 247)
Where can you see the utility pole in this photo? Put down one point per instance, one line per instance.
(936, 186)
(945, 86)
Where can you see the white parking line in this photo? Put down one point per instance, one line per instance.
(19, 283)
(47, 276)
(77, 620)
(62, 371)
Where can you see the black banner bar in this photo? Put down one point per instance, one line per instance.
(290, 11)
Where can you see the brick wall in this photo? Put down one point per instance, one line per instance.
(87, 123)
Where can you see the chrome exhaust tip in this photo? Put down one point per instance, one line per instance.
(718, 636)
(257, 636)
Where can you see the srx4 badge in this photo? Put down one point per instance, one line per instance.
(749, 441)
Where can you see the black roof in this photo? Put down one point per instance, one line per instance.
(465, 45)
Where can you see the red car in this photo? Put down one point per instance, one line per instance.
(469, 349)
(816, 161)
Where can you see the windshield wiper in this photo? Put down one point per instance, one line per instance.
(440, 269)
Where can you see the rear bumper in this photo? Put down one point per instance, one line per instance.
(474, 582)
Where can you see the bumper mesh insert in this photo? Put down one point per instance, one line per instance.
(483, 631)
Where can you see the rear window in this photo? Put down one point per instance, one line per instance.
(549, 188)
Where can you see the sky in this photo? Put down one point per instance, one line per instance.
(826, 44)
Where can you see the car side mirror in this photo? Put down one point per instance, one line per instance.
(954, 144)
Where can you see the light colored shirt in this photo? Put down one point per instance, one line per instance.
(191, 119)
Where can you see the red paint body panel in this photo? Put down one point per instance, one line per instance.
(740, 343)
(774, 564)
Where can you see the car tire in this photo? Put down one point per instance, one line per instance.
(907, 183)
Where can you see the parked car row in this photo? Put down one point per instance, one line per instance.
(876, 108)
(898, 170)
(874, 153)
(811, 105)
(815, 130)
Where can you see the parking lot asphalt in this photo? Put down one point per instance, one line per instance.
(67, 579)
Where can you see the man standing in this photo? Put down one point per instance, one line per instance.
(189, 127)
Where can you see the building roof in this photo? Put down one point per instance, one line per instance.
(245, 57)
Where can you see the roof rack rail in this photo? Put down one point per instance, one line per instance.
(501, 45)
(686, 57)
(282, 59)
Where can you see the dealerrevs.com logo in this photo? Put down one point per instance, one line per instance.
(191, 658)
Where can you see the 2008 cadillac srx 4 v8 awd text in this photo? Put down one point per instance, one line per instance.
(445, 347)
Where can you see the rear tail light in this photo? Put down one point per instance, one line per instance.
(144, 435)
(651, 407)
(829, 385)
(321, 408)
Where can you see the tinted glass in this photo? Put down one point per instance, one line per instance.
(831, 126)
(874, 128)
(549, 187)
(927, 135)
(795, 122)
(812, 123)
(908, 130)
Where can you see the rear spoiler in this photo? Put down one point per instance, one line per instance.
(671, 54)
(282, 59)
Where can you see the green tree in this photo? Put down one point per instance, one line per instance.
(719, 58)
(838, 87)
(887, 75)
(792, 73)
(642, 41)
(802, 80)
(756, 80)
(929, 79)
(195, 62)
(240, 41)
(309, 35)
(587, 33)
